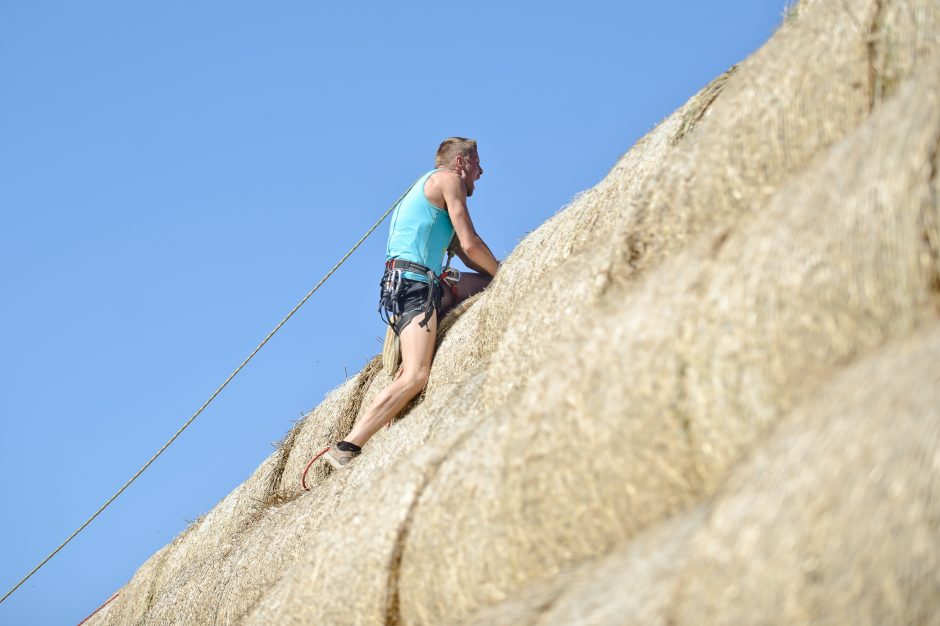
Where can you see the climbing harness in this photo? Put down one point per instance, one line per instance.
(450, 276)
(395, 291)
(393, 288)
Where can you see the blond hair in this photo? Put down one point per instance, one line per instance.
(451, 148)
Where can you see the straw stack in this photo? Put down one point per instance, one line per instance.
(632, 585)
(832, 521)
(712, 346)
(835, 519)
(584, 411)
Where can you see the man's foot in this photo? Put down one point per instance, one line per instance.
(342, 454)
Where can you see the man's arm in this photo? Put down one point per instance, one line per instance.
(460, 254)
(471, 250)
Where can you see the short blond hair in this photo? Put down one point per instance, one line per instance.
(451, 148)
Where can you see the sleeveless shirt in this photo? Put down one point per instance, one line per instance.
(420, 232)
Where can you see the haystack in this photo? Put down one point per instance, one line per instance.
(632, 585)
(585, 412)
(712, 346)
(833, 520)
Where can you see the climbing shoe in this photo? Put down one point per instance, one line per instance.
(342, 454)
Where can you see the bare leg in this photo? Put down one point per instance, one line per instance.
(470, 284)
(417, 351)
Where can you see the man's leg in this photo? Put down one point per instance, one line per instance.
(417, 352)
(470, 284)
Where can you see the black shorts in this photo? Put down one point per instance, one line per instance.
(404, 299)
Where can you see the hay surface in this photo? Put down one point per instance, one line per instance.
(836, 266)
(832, 521)
(633, 585)
(836, 519)
(631, 351)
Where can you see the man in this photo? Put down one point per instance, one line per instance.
(413, 291)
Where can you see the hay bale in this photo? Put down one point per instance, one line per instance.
(832, 520)
(290, 557)
(291, 536)
(711, 352)
(222, 587)
(645, 368)
(133, 603)
(531, 307)
(334, 416)
(743, 136)
(835, 266)
(370, 524)
(344, 576)
(835, 520)
(329, 421)
(464, 517)
(902, 35)
(214, 532)
(584, 224)
(224, 584)
(632, 585)
(212, 537)
(793, 99)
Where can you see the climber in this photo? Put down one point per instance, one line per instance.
(414, 294)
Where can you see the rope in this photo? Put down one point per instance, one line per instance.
(212, 397)
(99, 608)
(303, 478)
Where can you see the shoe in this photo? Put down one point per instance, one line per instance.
(340, 459)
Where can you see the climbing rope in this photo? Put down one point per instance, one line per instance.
(213, 396)
(303, 478)
(110, 600)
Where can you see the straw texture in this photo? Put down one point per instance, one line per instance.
(632, 585)
(569, 461)
(605, 442)
(835, 520)
(832, 521)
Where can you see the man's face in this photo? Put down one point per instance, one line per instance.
(471, 171)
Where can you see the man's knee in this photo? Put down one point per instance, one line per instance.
(472, 284)
(416, 379)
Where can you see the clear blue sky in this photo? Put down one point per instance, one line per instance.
(175, 176)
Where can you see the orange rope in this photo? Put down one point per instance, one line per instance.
(303, 479)
(99, 608)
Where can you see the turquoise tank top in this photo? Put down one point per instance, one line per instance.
(420, 231)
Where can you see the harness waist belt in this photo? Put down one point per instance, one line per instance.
(408, 266)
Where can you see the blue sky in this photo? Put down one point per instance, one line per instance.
(175, 176)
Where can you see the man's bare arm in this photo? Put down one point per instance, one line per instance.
(472, 249)
(460, 254)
